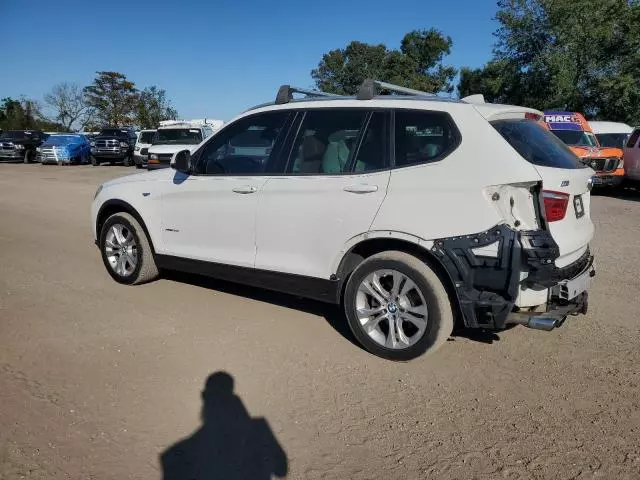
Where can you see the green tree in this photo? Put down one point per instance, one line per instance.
(24, 114)
(578, 55)
(153, 107)
(417, 64)
(113, 99)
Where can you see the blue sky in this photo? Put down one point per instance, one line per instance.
(215, 58)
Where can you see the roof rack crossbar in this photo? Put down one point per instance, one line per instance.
(370, 88)
(285, 93)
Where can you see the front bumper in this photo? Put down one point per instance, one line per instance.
(11, 154)
(607, 180)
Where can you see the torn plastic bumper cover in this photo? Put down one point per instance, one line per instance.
(487, 286)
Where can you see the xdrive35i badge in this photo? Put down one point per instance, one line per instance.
(565, 183)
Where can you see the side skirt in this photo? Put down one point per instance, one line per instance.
(308, 287)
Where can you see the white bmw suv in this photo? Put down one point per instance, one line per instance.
(413, 212)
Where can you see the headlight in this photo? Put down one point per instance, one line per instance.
(137, 149)
(97, 192)
(124, 144)
(19, 147)
(153, 156)
(93, 144)
(38, 149)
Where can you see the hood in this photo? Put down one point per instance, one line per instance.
(149, 176)
(592, 152)
(172, 148)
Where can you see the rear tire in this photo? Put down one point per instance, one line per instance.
(126, 250)
(419, 298)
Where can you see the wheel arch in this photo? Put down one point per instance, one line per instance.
(371, 246)
(113, 206)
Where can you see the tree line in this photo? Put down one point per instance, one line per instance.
(110, 100)
(573, 55)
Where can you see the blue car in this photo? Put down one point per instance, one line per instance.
(64, 149)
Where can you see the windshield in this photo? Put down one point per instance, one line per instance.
(60, 140)
(613, 140)
(146, 137)
(536, 145)
(113, 132)
(188, 136)
(17, 135)
(575, 138)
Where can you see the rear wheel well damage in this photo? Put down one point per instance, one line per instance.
(482, 286)
(112, 207)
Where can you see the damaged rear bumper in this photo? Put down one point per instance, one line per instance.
(487, 286)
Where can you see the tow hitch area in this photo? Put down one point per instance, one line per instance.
(553, 318)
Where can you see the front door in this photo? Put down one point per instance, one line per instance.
(210, 215)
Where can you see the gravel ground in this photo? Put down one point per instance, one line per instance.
(103, 381)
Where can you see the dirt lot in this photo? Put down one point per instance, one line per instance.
(97, 380)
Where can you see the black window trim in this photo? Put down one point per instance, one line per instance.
(283, 135)
(350, 165)
(444, 154)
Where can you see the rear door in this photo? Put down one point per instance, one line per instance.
(333, 184)
(566, 184)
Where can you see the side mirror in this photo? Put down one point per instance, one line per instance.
(181, 161)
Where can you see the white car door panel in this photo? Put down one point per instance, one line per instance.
(212, 218)
(304, 222)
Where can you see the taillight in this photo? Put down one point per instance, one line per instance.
(555, 205)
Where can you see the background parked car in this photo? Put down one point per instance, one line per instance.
(20, 145)
(64, 148)
(113, 145)
(174, 136)
(611, 134)
(141, 150)
(574, 130)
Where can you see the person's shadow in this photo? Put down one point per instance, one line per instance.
(229, 445)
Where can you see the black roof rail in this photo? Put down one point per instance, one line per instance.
(371, 88)
(285, 93)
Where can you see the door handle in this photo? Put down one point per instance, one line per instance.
(245, 189)
(361, 188)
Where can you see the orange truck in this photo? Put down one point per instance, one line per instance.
(574, 130)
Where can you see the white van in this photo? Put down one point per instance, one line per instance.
(611, 134)
(175, 135)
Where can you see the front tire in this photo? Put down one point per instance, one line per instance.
(397, 307)
(126, 250)
(94, 161)
(28, 155)
(127, 162)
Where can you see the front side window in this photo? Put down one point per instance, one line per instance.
(633, 139)
(243, 147)
(423, 137)
(326, 141)
(182, 136)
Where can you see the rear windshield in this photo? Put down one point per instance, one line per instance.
(536, 144)
(613, 140)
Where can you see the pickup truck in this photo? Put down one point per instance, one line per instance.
(20, 145)
(113, 145)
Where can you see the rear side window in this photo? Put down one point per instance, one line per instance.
(423, 137)
(536, 144)
(633, 138)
